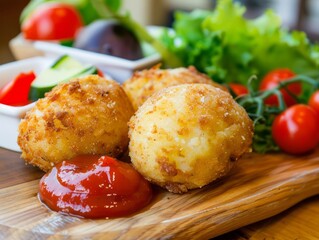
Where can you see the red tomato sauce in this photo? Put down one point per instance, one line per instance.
(91, 186)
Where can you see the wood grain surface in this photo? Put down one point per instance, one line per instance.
(259, 187)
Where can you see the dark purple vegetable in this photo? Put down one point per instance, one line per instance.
(111, 38)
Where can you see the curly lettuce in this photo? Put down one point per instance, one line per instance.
(230, 48)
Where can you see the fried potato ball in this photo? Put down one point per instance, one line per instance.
(186, 136)
(146, 82)
(84, 116)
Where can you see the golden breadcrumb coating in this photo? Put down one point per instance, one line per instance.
(186, 136)
(84, 116)
(146, 82)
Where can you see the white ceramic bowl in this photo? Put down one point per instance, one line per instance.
(10, 116)
(118, 68)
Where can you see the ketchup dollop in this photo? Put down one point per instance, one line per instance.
(91, 186)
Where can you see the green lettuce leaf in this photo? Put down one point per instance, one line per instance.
(230, 48)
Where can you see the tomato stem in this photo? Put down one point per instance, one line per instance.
(257, 97)
(263, 114)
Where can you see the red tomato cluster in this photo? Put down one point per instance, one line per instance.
(296, 130)
(273, 79)
(52, 21)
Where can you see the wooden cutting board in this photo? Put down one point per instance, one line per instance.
(259, 187)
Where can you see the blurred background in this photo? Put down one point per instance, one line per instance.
(295, 14)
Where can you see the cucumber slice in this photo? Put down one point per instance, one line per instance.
(62, 71)
(66, 62)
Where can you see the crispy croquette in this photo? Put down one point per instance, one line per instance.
(186, 136)
(146, 82)
(87, 115)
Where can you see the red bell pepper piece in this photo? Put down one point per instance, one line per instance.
(15, 93)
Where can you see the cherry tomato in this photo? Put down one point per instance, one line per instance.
(52, 21)
(314, 101)
(296, 130)
(238, 89)
(91, 186)
(272, 79)
(16, 92)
